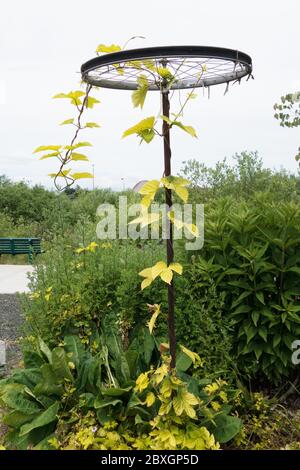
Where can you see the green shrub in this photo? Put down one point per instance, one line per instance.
(156, 409)
(75, 289)
(252, 258)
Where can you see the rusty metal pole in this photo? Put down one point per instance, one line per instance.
(169, 226)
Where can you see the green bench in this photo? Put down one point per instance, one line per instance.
(20, 246)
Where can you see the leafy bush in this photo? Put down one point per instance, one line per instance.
(155, 409)
(203, 327)
(74, 290)
(243, 179)
(251, 257)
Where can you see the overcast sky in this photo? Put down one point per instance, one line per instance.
(44, 43)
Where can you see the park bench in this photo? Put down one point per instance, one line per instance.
(20, 246)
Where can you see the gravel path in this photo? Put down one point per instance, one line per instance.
(10, 323)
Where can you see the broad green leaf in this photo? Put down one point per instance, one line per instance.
(13, 398)
(104, 402)
(144, 125)
(45, 349)
(255, 316)
(183, 362)
(192, 355)
(16, 419)
(60, 365)
(116, 392)
(48, 416)
(78, 176)
(225, 428)
(260, 297)
(50, 385)
(74, 346)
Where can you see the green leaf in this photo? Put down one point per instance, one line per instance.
(16, 419)
(43, 148)
(73, 96)
(250, 331)
(260, 297)
(183, 362)
(122, 370)
(255, 316)
(74, 346)
(49, 155)
(45, 350)
(79, 157)
(104, 402)
(263, 333)
(165, 73)
(225, 428)
(116, 392)
(78, 145)
(258, 350)
(50, 384)
(189, 129)
(152, 321)
(108, 49)
(138, 96)
(32, 359)
(92, 124)
(48, 416)
(91, 102)
(142, 126)
(78, 176)
(13, 398)
(60, 364)
(67, 121)
(147, 135)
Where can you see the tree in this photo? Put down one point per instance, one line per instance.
(288, 112)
